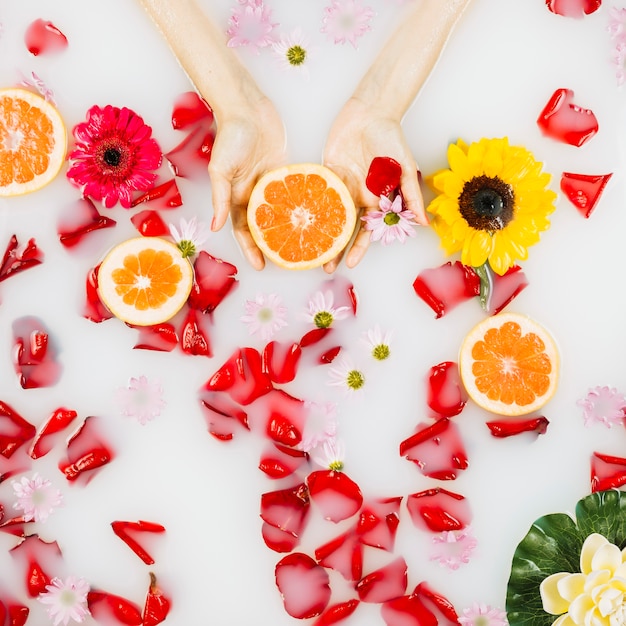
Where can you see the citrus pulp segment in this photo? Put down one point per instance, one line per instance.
(509, 364)
(301, 215)
(33, 141)
(144, 281)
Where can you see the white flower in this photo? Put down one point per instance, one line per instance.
(322, 312)
(378, 342)
(191, 236)
(36, 498)
(266, 315)
(67, 600)
(345, 374)
(293, 51)
(333, 455)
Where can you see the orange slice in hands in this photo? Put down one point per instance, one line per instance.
(33, 142)
(144, 281)
(509, 364)
(301, 216)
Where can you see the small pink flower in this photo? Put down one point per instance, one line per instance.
(483, 615)
(617, 22)
(346, 20)
(453, 548)
(603, 405)
(333, 455)
(141, 399)
(619, 62)
(115, 155)
(391, 222)
(66, 600)
(39, 85)
(265, 315)
(250, 24)
(36, 498)
(320, 426)
(322, 312)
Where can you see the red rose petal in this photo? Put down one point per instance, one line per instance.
(38, 561)
(512, 427)
(607, 472)
(442, 607)
(446, 395)
(17, 259)
(378, 523)
(282, 417)
(163, 196)
(150, 224)
(311, 337)
(102, 604)
(194, 336)
(336, 495)
(43, 36)
(337, 613)
(214, 279)
(158, 337)
(385, 583)
(329, 355)
(93, 309)
(383, 176)
(280, 361)
(344, 554)
(303, 585)
(407, 611)
(446, 286)
(87, 452)
(277, 539)
(190, 158)
(80, 219)
(438, 510)
(18, 614)
(287, 509)
(437, 450)
(15, 431)
(278, 461)
(584, 190)
(35, 369)
(565, 121)
(190, 109)
(59, 420)
(125, 531)
(573, 8)
(223, 416)
(504, 288)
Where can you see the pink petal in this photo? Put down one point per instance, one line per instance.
(287, 509)
(214, 279)
(584, 190)
(378, 523)
(437, 450)
(446, 395)
(336, 495)
(438, 510)
(385, 583)
(303, 584)
(277, 539)
(81, 218)
(565, 121)
(344, 554)
(446, 286)
(222, 416)
(278, 461)
(43, 36)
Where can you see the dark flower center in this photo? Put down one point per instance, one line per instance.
(112, 157)
(486, 203)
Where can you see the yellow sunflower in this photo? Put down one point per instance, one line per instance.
(493, 202)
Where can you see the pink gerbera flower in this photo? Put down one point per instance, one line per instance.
(114, 155)
(346, 20)
(391, 222)
(453, 548)
(66, 600)
(250, 24)
(603, 405)
(483, 615)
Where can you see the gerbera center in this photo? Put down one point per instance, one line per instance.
(112, 157)
(486, 203)
(355, 380)
(296, 55)
(323, 319)
(391, 218)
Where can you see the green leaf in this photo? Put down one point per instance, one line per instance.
(553, 545)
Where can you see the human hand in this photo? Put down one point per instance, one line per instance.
(360, 133)
(247, 145)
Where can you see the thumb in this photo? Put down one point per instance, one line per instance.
(221, 200)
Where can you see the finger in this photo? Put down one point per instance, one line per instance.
(412, 195)
(333, 264)
(243, 237)
(359, 246)
(221, 199)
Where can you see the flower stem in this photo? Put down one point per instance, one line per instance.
(486, 281)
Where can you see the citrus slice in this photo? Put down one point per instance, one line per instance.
(33, 142)
(144, 281)
(301, 215)
(509, 364)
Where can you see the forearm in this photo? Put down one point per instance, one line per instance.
(201, 50)
(407, 59)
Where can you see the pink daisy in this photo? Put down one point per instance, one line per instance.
(483, 615)
(114, 155)
(617, 22)
(66, 600)
(40, 86)
(250, 24)
(320, 425)
(36, 498)
(603, 405)
(141, 399)
(619, 62)
(346, 20)
(453, 548)
(391, 222)
(265, 315)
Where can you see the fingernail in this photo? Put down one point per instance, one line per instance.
(213, 223)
